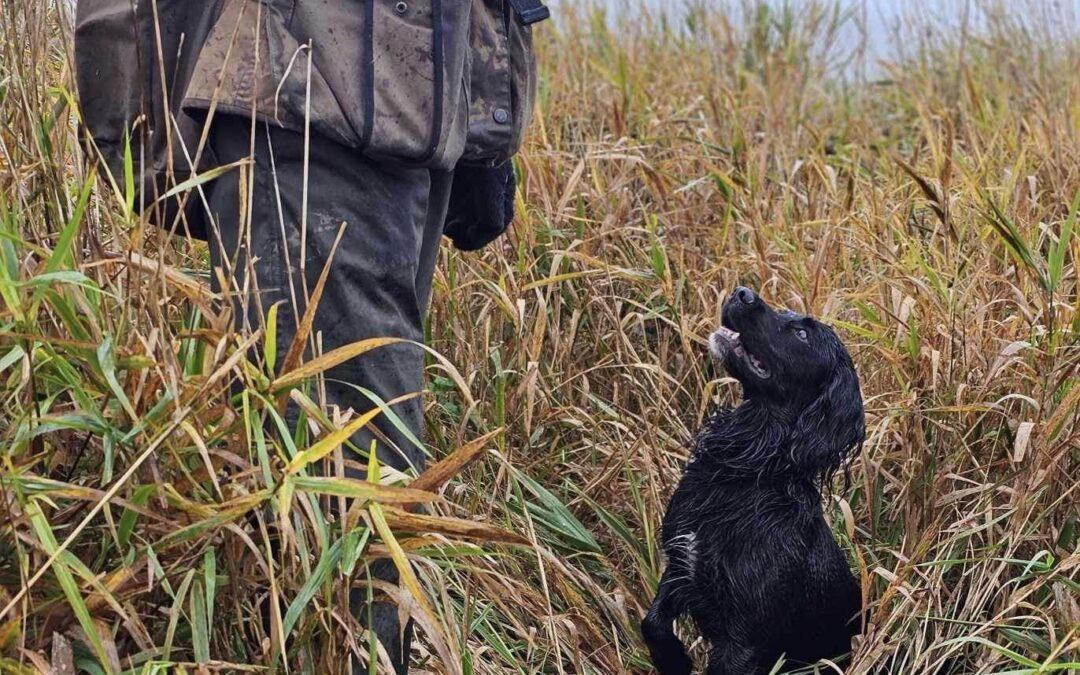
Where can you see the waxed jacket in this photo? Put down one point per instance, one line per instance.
(428, 83)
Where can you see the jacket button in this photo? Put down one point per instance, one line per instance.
(501, 115)
(401, 7)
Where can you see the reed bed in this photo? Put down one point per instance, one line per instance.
(156, 516)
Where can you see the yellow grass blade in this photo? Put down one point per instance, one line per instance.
(327, 361)
(327, 444)
(362, 490)
(400, 520)
(435, 477)
(409, 580)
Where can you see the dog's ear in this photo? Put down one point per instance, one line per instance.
(832, 428)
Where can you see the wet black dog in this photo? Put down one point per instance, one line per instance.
(749, 555)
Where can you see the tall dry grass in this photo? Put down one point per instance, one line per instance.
(928, 211)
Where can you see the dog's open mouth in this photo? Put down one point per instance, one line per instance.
(726, 341)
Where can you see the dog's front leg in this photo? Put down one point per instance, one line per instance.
(732, 658)
(658, 629)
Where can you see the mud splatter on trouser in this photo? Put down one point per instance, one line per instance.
(379, 283)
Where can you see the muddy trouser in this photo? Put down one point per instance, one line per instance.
(379, 284)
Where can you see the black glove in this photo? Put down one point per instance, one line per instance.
(481, 205)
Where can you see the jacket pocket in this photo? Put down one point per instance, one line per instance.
(370, 74)
(413, 105)
(250, 63)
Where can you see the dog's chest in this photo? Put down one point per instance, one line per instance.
(683, 549)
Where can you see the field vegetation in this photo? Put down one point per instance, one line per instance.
(156, 515)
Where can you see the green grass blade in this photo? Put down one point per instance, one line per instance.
(67, 581)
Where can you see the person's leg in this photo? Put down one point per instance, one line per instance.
(378, 286)
(380, 274)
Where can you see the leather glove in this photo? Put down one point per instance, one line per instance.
(481, 205)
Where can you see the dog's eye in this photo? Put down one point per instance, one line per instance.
(801, 334)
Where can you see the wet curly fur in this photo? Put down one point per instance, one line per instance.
(749, 555)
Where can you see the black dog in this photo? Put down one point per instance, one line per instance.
(749, 555)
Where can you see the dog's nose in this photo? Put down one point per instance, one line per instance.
(745, 295)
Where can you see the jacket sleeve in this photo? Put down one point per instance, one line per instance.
(132, 63)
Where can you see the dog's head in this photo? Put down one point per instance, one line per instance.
(799, 368)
